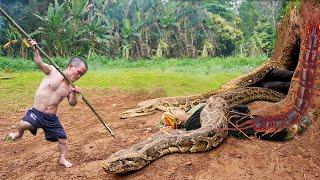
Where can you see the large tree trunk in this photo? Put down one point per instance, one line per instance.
(292, 41)
(297, 49)
(288, 40)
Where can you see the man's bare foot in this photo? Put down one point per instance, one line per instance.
(12, 136)
(64, 162)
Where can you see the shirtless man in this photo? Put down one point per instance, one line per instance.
(52, 90)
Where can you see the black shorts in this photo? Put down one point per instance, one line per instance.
(48, 122)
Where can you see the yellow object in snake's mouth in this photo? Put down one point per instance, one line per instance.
(169, 120)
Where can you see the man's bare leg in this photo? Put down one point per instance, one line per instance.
(63, 146)
(23, 125)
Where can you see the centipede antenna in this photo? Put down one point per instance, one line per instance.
(243, 114)
(240, 131)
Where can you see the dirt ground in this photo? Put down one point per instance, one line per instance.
(33, 157)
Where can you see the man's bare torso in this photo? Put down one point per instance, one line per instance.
(51, 92)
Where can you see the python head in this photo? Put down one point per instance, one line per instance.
(126, 114)
(142, 111)
(124, 161)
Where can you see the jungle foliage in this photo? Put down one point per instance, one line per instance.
(143, 29)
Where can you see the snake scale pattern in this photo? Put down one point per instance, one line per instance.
(213, 131)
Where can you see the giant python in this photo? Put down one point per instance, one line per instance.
(294, 112)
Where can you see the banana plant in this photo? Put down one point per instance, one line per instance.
(167, 27)
(14, 38)
(78, 8)
(126, 51)
(161, 47)
(11, 38)
(97, 39)
(129, 34)
(207, 47)
(53, 28)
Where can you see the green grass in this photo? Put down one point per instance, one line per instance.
(207, 65)
(173, 83)
(198, 66)
(19, 64)
(174, 77)
(17, 93)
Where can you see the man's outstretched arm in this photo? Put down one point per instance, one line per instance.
(38, 60)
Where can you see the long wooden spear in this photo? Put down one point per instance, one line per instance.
(55, 65)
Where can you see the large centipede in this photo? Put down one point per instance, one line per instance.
(296, 111)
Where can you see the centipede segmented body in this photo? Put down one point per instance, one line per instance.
(295, 111)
